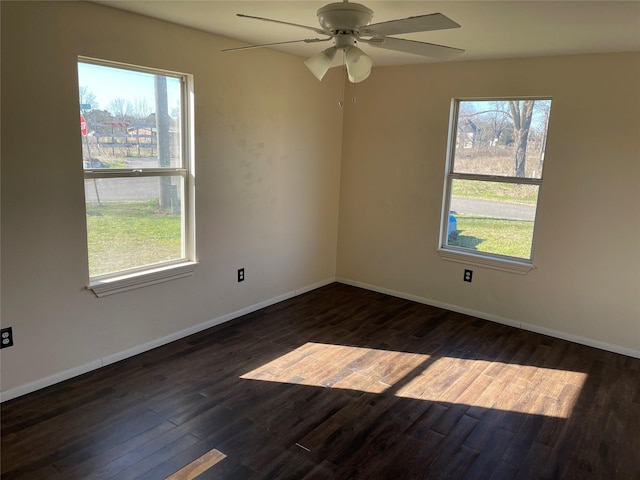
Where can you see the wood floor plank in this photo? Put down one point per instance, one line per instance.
(62, 447)
(142, 465)
(490, 445)
(338, 383)
(293, 462)
(79, 465)
(322, 471)
(198, 466)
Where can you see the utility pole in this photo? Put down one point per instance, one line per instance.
(164, 145)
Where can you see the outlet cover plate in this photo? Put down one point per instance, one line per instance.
(6, 337)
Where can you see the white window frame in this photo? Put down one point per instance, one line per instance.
(125, 280)
(462, 255)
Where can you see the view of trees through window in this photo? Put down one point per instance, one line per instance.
(131, 124)
(494, 175)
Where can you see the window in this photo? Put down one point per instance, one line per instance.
(138, 174)
(494, 174)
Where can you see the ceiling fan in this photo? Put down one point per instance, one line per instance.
(347, 24)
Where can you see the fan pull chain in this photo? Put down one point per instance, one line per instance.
(344, 79)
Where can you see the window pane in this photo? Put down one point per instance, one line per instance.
(134, 222)
(129, 119)
(503, 138)
(493, 217)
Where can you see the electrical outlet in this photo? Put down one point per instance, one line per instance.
(468, 275)
(241, 275)
(6, 337)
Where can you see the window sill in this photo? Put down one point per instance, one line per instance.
(502, 264)
(124, 283)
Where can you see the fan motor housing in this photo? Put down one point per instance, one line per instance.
(345, 17)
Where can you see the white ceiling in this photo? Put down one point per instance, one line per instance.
(490, 29)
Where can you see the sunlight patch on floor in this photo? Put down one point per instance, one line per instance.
(478, 383)
(339, 366)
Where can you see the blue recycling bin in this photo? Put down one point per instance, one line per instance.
(452, 231)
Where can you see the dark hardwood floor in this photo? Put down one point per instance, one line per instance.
(339, 383)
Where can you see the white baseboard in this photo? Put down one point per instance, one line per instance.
(51, 380)
(116, 357)
(495, 318)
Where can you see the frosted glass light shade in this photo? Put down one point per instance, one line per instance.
(320, 63)
(358, 64)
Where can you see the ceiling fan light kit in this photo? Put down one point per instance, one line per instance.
(358, 64)
(321, 62)
(350, 23)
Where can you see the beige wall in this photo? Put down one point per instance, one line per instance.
(272, 191)
(268, 139)
(587, 247)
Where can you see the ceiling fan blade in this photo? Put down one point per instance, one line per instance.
(417, 48)
(262, 45)
(313, 29)
(421, 23)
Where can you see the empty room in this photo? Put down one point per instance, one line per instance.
(264, 239)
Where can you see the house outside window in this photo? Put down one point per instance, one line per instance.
(494, 174)
(137, 146)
